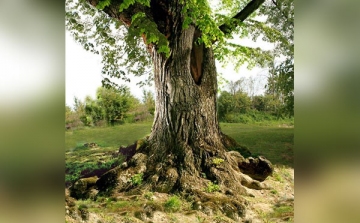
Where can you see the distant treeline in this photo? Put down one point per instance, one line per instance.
(239, 107)
(112, 107)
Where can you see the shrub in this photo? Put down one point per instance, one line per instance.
(243, 118)
(173, 204)
(73, 115)
(139, 114)
(86, 120)
(212, 187)
(251, 116)
(233, 103)
(101, 123)
(82, 206)
(237, 118)
(217, 161)
(72, 119)
(137, 179)
(285, 211)
(230, 118)
(130, 118)
(149, 195)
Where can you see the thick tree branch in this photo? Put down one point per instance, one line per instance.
(242, 15)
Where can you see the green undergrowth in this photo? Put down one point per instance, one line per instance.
(212, 187)
(83, 161)
(173, 204)
(255, 117)
(77, 170)
(136, 179)
(169, 204)
(283, 212)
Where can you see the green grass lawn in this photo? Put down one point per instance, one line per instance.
(274, 142)
(114, 136)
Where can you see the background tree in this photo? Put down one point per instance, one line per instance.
(235, 99)
(94, 113)
(252, 86)
(110, 107)
(285, 84)
(115, 104)
(258, 103)
(181, 40)
(72, 118)
(280, 88)
(149, 101)
(237, 86)
(79, 106)
(279, 28)
(230, 105)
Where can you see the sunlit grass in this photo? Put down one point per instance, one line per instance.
(273, 141)
(113, 136)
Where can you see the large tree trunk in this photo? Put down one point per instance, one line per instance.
(186, 129)
(186, 149)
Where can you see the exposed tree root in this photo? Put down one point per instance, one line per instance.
(216, 180)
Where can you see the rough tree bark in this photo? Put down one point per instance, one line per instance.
(186, 138)
(186, 149)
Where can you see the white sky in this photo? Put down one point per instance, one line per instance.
(83, 71)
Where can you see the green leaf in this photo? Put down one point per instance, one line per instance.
(127, 3)
(138, 15)
(164, 49)
(102, 4)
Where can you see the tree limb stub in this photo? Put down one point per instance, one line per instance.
(242, 15)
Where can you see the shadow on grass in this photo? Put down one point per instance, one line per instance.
(273, 142)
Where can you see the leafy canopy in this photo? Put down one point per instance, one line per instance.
(120, 31)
